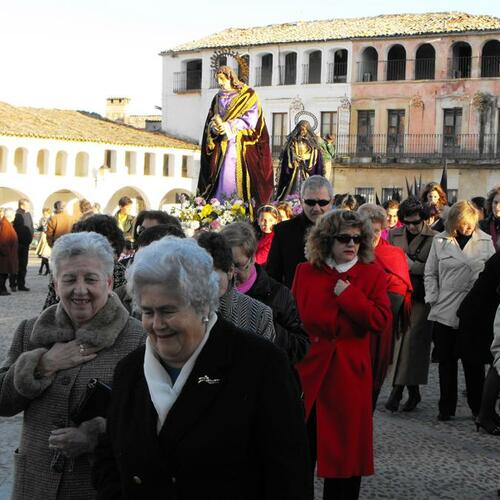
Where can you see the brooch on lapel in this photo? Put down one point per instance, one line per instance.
(208, 380)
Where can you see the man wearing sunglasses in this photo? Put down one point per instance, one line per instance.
(287, 249)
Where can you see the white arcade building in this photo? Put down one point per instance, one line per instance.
(48, 155)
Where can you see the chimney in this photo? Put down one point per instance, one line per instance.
(116, 108)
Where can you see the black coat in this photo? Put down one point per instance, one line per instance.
(241, 439)
(477, 312)
(287, 249)
(290, 333)
(23, 225)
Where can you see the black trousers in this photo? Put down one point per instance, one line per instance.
(447, 345)
(333, 488)
(22, 254)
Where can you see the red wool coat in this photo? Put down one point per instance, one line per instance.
(336, 373)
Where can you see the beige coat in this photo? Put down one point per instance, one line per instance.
(49, 402)
(450, 273)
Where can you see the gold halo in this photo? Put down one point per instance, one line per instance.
(242, 63)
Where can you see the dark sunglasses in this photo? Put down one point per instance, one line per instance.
(412, 222)
(346, 238)
(321, 203)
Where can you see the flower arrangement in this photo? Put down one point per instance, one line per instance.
(196, 213)
(294, 201)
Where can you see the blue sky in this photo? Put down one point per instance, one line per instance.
(73, 54)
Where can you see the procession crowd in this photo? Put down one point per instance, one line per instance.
(243, 361)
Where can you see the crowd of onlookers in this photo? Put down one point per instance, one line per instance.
(351, 294)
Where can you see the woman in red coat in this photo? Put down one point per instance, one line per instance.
(342, 300)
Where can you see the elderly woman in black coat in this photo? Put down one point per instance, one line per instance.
(204, 410)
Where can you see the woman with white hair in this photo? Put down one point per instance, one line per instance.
(204, 410)
(51, 362)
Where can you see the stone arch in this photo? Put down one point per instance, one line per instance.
(9, 197)
(21, 160)
(82, 164)
(139, 199)
(42, 161)
(61, 163)
(172, 197)
(396, 63)
(368, 65)
(70, 197)
(425, 62)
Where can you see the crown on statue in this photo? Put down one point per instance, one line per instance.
(226, 52)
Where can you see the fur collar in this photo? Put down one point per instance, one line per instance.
(54, 325)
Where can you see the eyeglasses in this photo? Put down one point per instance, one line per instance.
(321, 203)
(346, 238)
(412, 222)
(243, 267)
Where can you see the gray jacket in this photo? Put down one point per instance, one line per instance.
(450, 273)
(48, 403)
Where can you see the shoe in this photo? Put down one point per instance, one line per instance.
(24, 289)
(488, 426)
(39, 273)
(46, 272)
(444, 417)
(394, 398)
(412, 403)
(4, 292)
(13, 288)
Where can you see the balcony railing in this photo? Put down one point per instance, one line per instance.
(263, 77)
(310, 76)
(367, 71)
(425, 69)
(490, 66)
(395, 69)
(337, 72)
(459, 67)
(185, 81)
(420, 146)
(288, 75)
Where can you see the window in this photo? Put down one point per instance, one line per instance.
(425, 62)
(337, 72)
(366, 121)
(396, 63)
(193, 75)
(279, 132)
(392, 193)
(490, 59)
(368, 66)
(165, 165)
(289, 71)
(367, 193)
(452, 196)
(328, 123)
(266, 71)
(312, 71)
(452, 127)
(184, 170)
(395, 130)
(461, 61)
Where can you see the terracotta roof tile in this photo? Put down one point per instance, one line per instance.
(77, 126)
(345, 29)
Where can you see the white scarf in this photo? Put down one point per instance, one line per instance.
(163, 394)
(341, 268)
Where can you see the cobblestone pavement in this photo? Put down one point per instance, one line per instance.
(416, 457)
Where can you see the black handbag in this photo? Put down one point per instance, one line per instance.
(95, 402)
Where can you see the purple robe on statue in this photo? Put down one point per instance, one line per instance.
(227, 179)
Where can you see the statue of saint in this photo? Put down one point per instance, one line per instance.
(235, 153)
(301, 157)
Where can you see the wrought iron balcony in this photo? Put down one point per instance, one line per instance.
(185, 81)
(263, 76)
(337, 72)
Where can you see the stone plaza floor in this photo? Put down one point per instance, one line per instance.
(416, 457)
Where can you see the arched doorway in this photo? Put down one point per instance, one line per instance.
(461, 60)
(173, 197)
(139, 200)
(490, 59)
(425, 62)
(368, 66)
(69, 197)
(9, 197)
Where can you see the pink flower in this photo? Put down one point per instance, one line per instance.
(215, 225)
(199, 201)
